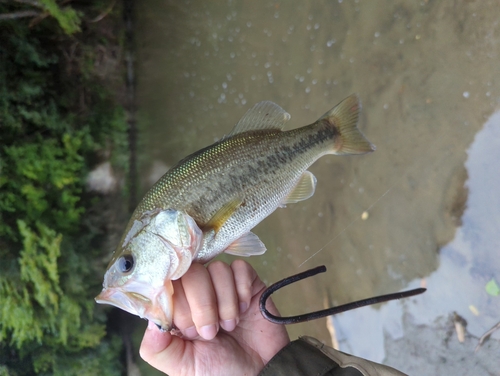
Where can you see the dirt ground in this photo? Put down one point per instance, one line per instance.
(428, 75)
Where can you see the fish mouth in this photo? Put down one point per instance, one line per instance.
(154, 304)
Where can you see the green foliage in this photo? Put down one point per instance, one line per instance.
(39, 281)
(492, 288)
(40, 164)
(68, 18)
(57, 119)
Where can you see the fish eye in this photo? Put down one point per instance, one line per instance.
(126, 263)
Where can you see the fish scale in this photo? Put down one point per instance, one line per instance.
(261, 167)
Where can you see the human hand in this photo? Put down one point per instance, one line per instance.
(217, 310)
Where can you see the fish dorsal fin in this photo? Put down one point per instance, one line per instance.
(303, 190)
(264, 115)
(222, 215)
(247, 245)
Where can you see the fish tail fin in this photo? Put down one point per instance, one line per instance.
(344, 119)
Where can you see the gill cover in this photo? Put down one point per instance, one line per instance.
(158, 248)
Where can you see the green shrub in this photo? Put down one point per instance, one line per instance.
(57, 118)
(67, 17)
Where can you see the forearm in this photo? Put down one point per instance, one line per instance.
(308, 356)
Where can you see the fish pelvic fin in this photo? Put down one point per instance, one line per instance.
(344, 118)
(247, 245)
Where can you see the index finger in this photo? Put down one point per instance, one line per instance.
(202, 300)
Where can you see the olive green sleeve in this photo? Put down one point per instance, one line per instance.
(308, 356)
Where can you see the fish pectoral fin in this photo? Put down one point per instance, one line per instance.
(302, 191)
(264, 115)
(344, 118)
(247, 245)
(222, 215)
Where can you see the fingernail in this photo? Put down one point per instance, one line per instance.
(228, 325)
(243, 307)
(208, 331)
(191, 332)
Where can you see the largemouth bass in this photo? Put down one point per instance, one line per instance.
(208, 203)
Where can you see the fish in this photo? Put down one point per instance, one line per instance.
(209, 201)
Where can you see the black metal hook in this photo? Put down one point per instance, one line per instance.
(325, 312)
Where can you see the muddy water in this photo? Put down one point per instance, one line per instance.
(428, 75)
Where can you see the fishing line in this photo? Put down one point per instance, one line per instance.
(348, 226)
(415, 166)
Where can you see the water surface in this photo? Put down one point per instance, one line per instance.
(427, 73)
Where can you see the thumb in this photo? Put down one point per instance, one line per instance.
(161, 349)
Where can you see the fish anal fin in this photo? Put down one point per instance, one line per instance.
(247, 245)
(264, 115)
(344, 118)
(303, 190)
(222, 215)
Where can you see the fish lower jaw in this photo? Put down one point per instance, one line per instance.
(156, 307)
